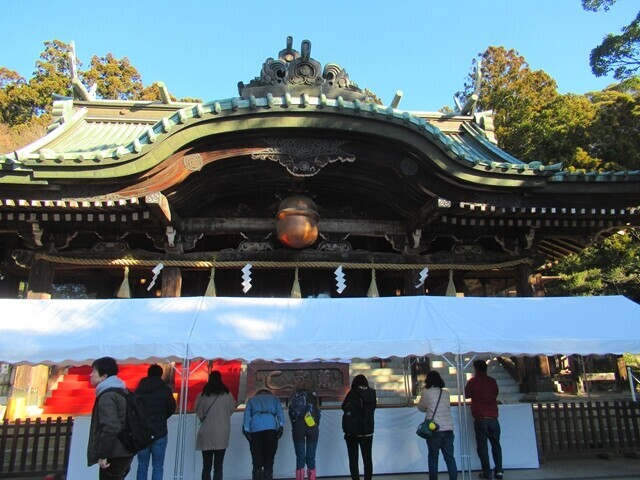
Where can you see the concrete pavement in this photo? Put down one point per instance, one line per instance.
(583, 468)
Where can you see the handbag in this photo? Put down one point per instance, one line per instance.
(428, 426)
(309, 420)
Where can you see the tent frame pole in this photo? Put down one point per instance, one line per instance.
(178, 468)
(458, 363)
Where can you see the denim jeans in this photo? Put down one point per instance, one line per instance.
(155, 451)
(305, 442)
(442, 441)
(488, 429)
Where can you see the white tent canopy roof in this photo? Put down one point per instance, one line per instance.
(77, 331)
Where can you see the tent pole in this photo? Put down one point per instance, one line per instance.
(632, 385)
(465, 449)
(178, 469)
(182, 418)
(407, 384)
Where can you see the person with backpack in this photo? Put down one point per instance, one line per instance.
(434, 401)
(108, 418)
(262, 426)
(304, 414)
(159, 403)
(357, 423)
(214, 407)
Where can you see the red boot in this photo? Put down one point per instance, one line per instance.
(311, 474)
(300, 474)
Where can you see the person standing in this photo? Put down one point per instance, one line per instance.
(214, 407)
(483, 392)
(434, 401)
(107, 419)
(263, 425)
(160, 405)
(357, 423)
(304, 414)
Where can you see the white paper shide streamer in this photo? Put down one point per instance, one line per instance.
(424, 273)
(156, 271)
(246, 278)
(340, 282)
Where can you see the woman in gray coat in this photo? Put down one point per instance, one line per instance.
(214, 407)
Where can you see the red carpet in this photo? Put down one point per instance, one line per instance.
(74, 395)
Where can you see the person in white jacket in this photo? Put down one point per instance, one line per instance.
(435, 398)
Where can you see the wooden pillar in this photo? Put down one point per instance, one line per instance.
(9, 285)
(171, 282)
(30, 383)
(523, 287)
(537, 373)
(40, 280)
(622, 376)
(411, 279)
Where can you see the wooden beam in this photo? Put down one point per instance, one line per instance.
(430, 212)
(376, 228)
(159, 207)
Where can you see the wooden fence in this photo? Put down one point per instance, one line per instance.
(32, 448)
(586, 428)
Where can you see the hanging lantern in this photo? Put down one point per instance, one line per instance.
(297, 222)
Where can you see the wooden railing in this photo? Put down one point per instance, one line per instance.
(32, 448)
(586, 427)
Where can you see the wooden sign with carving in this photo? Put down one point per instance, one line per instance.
(330, 380)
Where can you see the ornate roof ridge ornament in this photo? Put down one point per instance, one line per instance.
(303, 157)
(296, 72)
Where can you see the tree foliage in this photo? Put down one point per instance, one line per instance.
(595, 131)
(617, 54)
(25, 105)
(517, 94)
(608, 268)
(115, 78)
(615, 131)
(596, 5)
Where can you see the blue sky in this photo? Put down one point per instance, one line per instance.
(423, 47)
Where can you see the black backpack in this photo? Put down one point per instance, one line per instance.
(352, 417)
(137, 432)
(298, 405)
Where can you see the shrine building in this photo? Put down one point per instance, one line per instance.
(274, 192)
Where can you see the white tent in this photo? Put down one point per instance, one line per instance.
(180, 329)
(78, 331)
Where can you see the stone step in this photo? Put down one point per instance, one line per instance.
(390, 380)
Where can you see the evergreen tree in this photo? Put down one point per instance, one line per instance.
(619, 54)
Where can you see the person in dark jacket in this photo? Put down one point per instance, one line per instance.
(107, 419)
(160, 405)
(357, 423)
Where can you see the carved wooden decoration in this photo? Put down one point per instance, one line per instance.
(303, 157)
(330, 380)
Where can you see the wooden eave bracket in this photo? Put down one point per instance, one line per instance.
(159, 207)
